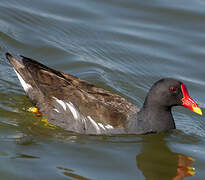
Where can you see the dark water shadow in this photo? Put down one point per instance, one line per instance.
(70, 173)
(24, 156)
(156, 161)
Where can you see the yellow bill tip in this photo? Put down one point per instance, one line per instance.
(197, 110)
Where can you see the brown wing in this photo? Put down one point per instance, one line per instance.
(90, 101)
(100, 104)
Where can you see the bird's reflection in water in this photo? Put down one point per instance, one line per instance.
(156, 161)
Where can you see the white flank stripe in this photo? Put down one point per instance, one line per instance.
(94, 124)
(61, 103)
(25, 85)
(101, 125)
(84, 121)
(69, 105)
(73, 110)
(109, 126)
(56, 110)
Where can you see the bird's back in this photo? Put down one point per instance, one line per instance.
(72, 103)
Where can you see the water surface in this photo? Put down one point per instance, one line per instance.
(122, 46)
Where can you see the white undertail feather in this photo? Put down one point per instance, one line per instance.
(25, 85)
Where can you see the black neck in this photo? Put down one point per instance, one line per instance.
(156, 118)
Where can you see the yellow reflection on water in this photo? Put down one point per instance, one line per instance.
(157, 161)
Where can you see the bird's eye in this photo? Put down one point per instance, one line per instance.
(172, 89)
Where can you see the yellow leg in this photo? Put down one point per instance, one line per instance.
(38, 114)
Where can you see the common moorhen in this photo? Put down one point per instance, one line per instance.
(75, 105)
